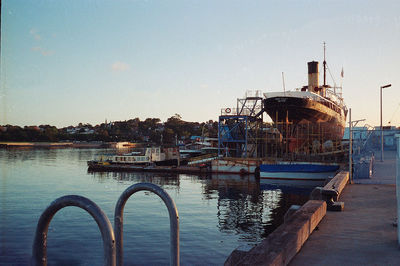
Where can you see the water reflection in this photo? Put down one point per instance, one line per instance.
(244, 207)
(218, 213)
(47, 155)
(240, 205)
(161, 180)
(249, 211)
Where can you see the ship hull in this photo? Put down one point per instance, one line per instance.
(298, 171)
(327, 118)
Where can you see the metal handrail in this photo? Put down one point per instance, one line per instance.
(173, 217)
(39, 248)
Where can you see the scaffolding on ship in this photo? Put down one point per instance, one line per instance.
(305, 141)
(242, 133)
(240, 128)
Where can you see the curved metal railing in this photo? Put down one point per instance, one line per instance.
(113, 246)
(39, 248)
(173, 218)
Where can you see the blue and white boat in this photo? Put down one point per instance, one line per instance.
(298, 171)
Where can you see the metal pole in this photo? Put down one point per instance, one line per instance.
(397, 137)
(283, 82)
(381, 127)
(219, 136)
(324, 66)
(173, 219)
(350, 149)
(245, 146)
(382, 87)
(39, 248)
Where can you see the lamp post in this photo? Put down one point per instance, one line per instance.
(382, 87)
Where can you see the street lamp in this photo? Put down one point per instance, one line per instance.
(382, 87)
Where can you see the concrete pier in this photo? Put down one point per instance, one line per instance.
(283, 244)
(365, 232)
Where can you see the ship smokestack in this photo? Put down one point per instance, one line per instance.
(313, 76)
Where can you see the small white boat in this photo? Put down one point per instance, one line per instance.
(151, 155)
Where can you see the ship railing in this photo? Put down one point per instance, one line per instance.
(245, 111)
(112, 239)
(335, 93)
(229, 111)
(254, 94)
(333, 100)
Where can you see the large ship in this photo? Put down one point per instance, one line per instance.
(312, 113)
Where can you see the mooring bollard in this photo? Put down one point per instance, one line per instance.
(173, 217)
(39, 248)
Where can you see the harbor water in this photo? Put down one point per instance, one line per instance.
(217, 213)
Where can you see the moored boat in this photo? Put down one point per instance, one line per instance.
(298, 171)
(310, 114)
(151, 156)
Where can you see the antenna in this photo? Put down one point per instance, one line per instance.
(324, 65)
(283, 83)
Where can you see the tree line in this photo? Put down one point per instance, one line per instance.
(134, 130)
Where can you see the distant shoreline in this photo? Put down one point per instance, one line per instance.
(12, 144)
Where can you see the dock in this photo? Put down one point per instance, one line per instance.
(360, 229)
(365, 232)
(50, 145)
(184, 169)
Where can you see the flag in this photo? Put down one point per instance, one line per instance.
(342, 73)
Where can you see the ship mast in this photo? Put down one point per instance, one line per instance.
(324, 66)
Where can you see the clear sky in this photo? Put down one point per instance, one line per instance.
(65, 62)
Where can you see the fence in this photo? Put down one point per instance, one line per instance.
(369, 145)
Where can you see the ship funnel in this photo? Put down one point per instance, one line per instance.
(313, 76)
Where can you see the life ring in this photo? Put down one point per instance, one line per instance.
(227, 110)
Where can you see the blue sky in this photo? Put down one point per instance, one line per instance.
(65, 62)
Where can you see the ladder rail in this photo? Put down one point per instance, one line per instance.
(112, 238)
(173, 217)
(39, 248)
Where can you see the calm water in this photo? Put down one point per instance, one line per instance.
(217, 214)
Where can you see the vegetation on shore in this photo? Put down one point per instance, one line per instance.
(135, 130)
